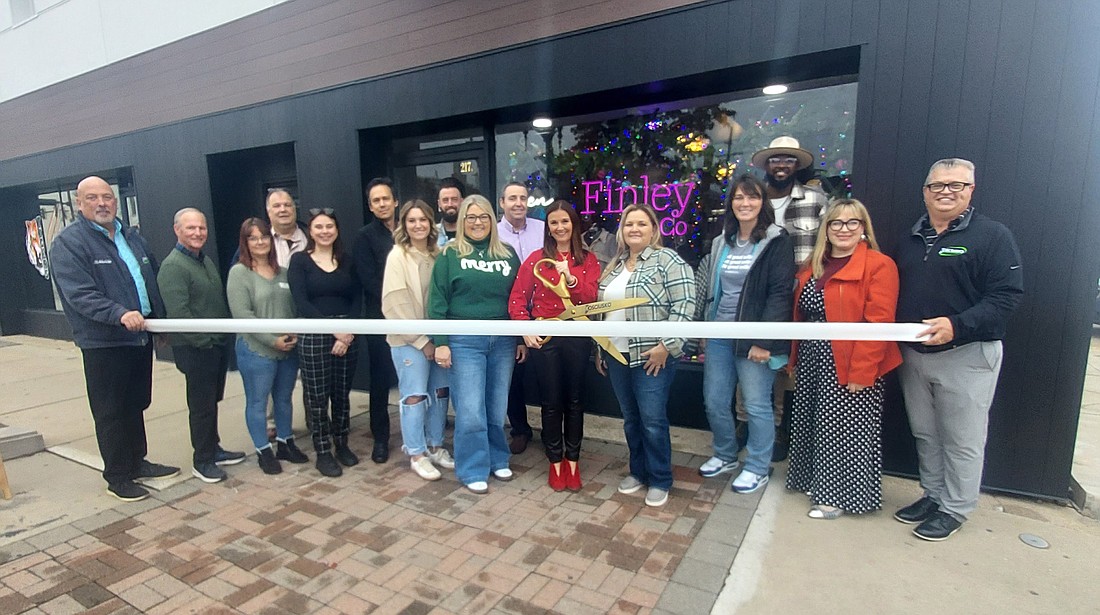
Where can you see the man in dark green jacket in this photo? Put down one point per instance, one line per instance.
(192, 288)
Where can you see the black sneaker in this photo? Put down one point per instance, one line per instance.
(326, 465)
(267, 461)
(223, 457)
(288, 451)
(345, 456)
(148, 469)
(128, 491)
(918, 511)
(940, 526)
(209, 473)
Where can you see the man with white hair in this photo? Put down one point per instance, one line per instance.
(960, 273)
(192, 288)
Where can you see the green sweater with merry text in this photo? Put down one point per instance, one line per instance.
(475, 286)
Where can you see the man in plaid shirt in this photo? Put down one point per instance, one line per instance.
(798, 208)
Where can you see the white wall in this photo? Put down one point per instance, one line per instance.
(69, 37)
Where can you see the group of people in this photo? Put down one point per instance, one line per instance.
(784, 254)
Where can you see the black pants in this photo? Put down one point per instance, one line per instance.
(119, 381)
(326, 381)
(204, 370)
(382, 379)
(517, 403)
(560, 366)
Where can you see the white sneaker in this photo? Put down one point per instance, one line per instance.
(715, 466)
(656, 497)
(442, 458)
(424, 469)
(630, 484)
(503, 474)
(747, 482)
(478, 487)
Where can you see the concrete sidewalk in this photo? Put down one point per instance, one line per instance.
(381, 540)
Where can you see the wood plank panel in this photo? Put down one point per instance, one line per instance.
(261, 57)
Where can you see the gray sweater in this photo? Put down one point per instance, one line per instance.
(253, 296)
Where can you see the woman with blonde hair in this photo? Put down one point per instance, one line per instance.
(836, 446)
(421, 383)
(643, 268)
(472, 279)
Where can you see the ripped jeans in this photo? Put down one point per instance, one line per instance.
(421, 422)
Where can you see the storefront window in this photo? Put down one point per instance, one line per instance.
(679, 157)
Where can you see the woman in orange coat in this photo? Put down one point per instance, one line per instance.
(836, 444)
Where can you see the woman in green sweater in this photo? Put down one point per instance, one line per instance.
(472, 280)
(257, 288)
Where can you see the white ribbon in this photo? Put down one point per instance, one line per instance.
(895, 332)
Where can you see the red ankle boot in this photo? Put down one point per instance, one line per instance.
(557, 476)
(572, 477)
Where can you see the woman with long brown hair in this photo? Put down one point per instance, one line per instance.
(560, 362)
(324, 285)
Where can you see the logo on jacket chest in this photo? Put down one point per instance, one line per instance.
(503, 267)
(952, 251)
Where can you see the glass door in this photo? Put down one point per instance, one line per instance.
(421, 163)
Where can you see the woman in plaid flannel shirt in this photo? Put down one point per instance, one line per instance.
(643, 268)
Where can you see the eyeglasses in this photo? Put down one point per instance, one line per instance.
(328, 211)
(783, 160)
(259, 238)
(950, 187)
(851, 225)
(471, 218)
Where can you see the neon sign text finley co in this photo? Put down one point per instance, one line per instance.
(672, 198)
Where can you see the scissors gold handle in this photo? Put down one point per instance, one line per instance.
(582, 311)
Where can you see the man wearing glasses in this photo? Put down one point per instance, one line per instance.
(372, 246)
(960, 273)
(798, 208)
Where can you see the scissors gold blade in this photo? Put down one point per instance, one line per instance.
(582, 311)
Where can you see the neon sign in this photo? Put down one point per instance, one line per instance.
(672, 198)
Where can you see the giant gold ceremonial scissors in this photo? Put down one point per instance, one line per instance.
(582, 311)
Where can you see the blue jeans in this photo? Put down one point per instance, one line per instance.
(721, 373)
(422, 422)
(481, 370)
(643, 400)
(263, 378)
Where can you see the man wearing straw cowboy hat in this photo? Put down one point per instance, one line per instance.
(798, 208)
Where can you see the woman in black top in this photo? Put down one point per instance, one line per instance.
(323, 283)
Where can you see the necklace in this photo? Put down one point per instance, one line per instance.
(737, 241)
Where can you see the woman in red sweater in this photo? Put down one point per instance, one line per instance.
(561, 361)
(836, 444)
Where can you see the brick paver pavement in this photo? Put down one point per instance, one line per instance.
(381, 540)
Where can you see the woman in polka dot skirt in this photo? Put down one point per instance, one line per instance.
(836, 444)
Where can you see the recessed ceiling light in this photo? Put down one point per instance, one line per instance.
(772, 90)
(542, 122)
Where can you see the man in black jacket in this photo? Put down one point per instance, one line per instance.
(960, 274)
(372, 246)
(107, 281)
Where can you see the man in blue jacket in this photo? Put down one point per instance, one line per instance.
(960, 273)
(107, 282)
